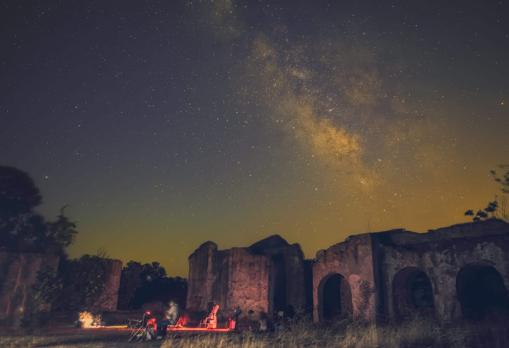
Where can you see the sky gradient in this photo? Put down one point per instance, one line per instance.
(163, 124)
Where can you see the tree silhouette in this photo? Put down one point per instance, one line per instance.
(503, 179)
(18, 193)
(62, 231)
(83, 281)
(498, 207)
(21, 228)
(485, 213)
(144, 283)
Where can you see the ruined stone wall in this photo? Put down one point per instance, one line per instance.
(295, 275)
(353, 260)
(203, 266)
(230, 278)
(108, 299)
(361, 270)
(441, 254)
(242, 276)
(291, 259)
(18, 273)
(248, 285)
(219, 280)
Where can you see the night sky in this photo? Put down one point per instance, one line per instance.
(163, 124)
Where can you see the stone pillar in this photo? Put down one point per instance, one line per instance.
(108, 299)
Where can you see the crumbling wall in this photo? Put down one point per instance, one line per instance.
(108, 299)
(442, 254)
(295, 275)
(230, 278)
(202, 275)
(244, 276)
(353, 261)
(248, 284)
(366, 266)
(18, 273)
(292, 259)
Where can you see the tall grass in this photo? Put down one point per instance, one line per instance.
(410, 334)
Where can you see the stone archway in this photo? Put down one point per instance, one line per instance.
(334, 298)
(481, 292)
(412, 294)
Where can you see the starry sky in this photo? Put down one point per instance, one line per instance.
(163, 124)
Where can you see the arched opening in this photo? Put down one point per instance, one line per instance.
(412, 294)
(334, 298)
(278, 284)
(481, 292)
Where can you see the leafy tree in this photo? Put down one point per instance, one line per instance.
(62, 231)
(47, 287)
(21, 228)
(163, 290)
(502, 179)
(143, 283)
(498, 207)
(488, 212)
(18, 193)
(44, 294)
(18, 197)
(77, 285)
(152, 271)
(84, 280)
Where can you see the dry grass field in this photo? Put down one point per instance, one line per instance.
(409, 334)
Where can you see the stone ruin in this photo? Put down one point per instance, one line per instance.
(18, 274)
(461, 271)
(268, 276)
(108, 299)
(456, 272)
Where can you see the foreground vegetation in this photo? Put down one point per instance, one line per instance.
(415, 333)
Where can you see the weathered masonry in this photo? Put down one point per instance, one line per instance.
(269, 275)
(108, 299)
(455, 272)
(18, 274)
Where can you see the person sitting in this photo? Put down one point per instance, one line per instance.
(210, 321)
(263, 322)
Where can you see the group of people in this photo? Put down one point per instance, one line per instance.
(255, 322)
(262, 322)
(157, 329)
(170, 317)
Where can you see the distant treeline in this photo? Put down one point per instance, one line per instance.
(146, 283)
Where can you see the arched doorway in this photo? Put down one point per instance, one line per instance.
(412, 294)
(334, 298)
(481, 292)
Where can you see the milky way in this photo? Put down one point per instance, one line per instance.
(166, 124)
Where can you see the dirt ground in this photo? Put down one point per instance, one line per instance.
(68, 337)
(91, 338)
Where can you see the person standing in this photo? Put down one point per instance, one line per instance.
(171, 315)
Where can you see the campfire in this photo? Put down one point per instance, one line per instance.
(88, 320)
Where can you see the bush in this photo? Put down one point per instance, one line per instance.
(83, 280)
